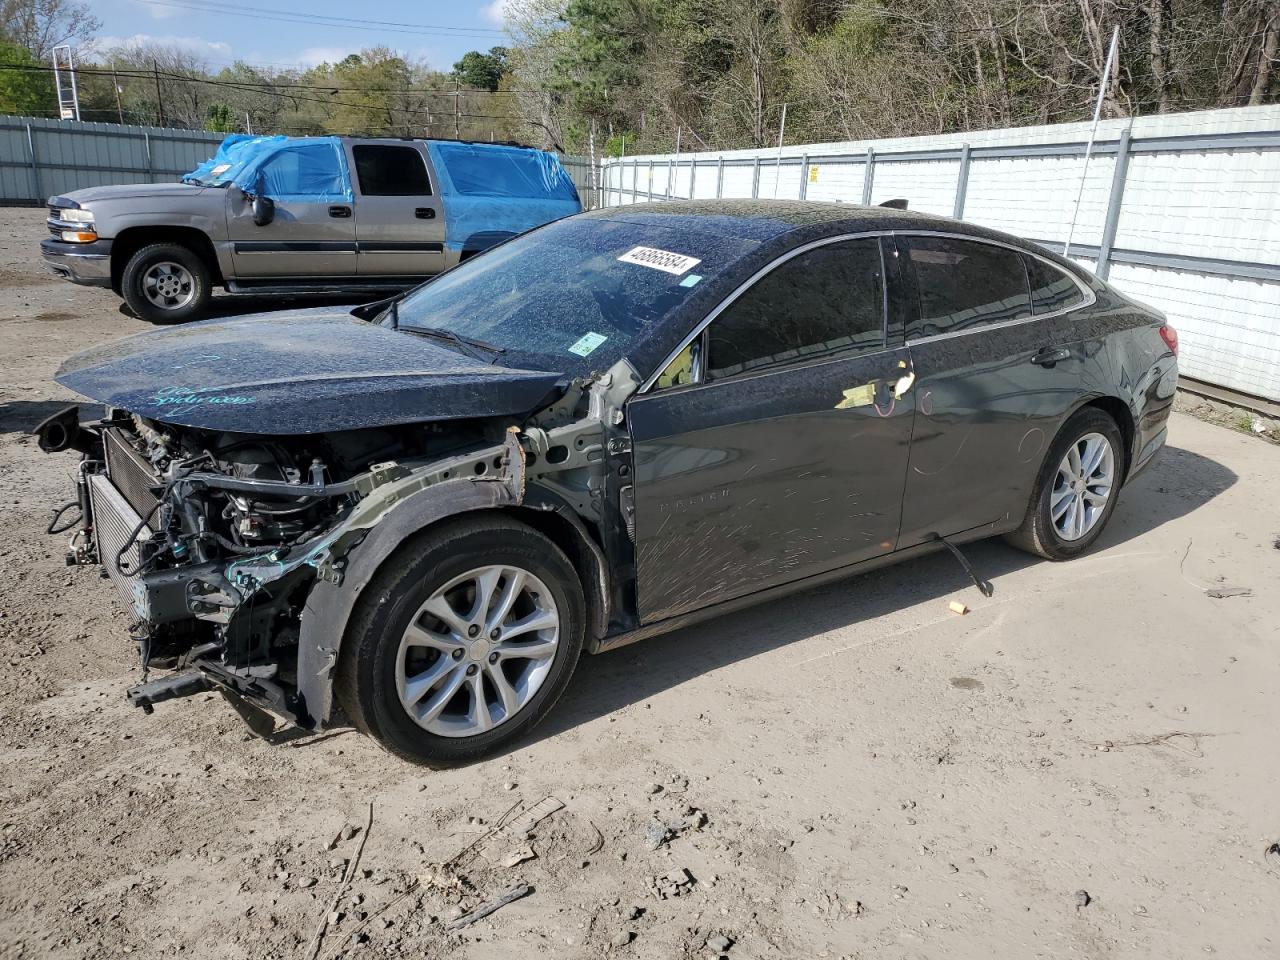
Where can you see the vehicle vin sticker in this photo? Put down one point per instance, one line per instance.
(587, 343)
(664, 260)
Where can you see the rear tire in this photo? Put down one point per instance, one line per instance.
(401, 658)
(1066, 514)
(166, 283)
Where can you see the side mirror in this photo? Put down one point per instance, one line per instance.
(264, 210)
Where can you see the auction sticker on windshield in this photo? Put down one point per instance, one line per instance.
(587, 343)
(664, 260)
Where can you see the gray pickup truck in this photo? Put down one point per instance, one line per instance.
(288, 215)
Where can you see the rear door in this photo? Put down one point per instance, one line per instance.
(783, 454)
(994, 379)
(312, 233)
(399, 218)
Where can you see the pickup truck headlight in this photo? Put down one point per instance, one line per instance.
(84, 229)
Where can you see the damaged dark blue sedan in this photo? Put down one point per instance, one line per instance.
(416, 515)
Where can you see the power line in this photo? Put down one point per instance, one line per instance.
(318, 19)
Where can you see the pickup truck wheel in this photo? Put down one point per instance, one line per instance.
(463, 641)
(166, 283)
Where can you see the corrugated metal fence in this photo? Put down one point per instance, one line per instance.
(41, 158)
(1181, 211)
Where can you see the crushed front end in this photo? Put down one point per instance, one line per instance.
(213, 540)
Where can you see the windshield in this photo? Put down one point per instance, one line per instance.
(574, 296)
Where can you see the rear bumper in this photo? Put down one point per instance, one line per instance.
(1149, 454)
(84, 263)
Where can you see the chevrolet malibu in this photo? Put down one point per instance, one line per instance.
(414, 516)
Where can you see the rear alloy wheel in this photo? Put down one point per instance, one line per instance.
(463, 641)
(165, 283)
(1077, 489)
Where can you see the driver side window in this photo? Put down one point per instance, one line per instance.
(824, 303)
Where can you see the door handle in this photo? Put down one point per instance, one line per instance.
(425, 213)
(1049, 356)
(340, 212)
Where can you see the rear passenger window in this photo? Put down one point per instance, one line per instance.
(1051, 288)
(386, 171)
(826, 302)
(965, 284)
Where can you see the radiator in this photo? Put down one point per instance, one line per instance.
(113, 520)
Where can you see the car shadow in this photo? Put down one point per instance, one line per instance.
(1179, 482)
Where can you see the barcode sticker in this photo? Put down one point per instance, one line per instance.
(664, 260)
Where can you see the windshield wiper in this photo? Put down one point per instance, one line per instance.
(467, 345)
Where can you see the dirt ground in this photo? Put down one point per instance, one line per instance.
(852, 772)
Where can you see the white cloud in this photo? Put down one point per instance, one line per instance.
(312, 56)
(157, 11)
(498, 12)
(195, 45)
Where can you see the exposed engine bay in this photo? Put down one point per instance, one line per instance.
(217, 540)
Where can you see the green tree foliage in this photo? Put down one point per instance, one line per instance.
(25, 92)
(482, 71)
(221, 119)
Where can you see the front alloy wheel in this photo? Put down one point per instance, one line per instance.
(477, 651)
(463, 640)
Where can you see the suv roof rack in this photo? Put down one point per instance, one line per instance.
(492, 143)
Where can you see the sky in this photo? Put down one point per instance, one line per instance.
(288, 33)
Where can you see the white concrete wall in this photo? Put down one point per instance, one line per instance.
(1220, 204)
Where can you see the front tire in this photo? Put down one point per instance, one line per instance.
(166, 283)
(1076, 490)
(463, 642)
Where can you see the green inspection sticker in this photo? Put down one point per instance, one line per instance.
(587, 343)
(691, 280)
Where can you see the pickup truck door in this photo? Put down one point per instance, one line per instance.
(399, 218)
(306, 238)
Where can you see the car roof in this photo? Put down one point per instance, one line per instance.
(777, 224)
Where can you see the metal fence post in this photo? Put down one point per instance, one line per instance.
(635, 181)
(804, 176)
(650, 181)
(693, 173)
(1114, 203)
(755, 179)
(868, 174)
(720, 178)
(671, 176)
(35, 170)
(962, 183)
(151, 167)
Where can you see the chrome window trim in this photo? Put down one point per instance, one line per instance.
(1090, 298)
(746, 285)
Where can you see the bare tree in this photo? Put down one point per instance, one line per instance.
(41, 25)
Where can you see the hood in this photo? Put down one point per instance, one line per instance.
(297, 372)
(133, 191)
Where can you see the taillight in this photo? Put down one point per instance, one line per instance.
(1170, 338)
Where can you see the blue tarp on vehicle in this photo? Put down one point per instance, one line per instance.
(478, 181)
(308, 169)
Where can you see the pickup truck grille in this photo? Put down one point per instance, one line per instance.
(129, 473)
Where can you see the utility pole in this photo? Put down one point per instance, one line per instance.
(115, 85)
(1093, 132)
(155, 70)
(457, 86)
(777, 170)
(248, 125)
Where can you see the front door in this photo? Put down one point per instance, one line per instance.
(995, 378)
(312, 233)
(779, 448)
(399, 218)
